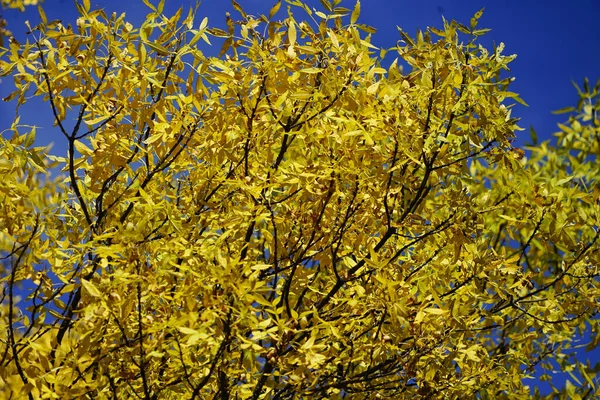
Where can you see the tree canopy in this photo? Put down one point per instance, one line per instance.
(305, 215)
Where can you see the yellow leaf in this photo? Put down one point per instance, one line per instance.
(355, 12)
(260, 267)
(218, 32)
(146, 2)
(311, 70)
(373, 88)
(457, 79)
(83, 149)
(436, 311)
(291, 52)
(274, 9)
(142, 53)
(90, 288)
(420, 317)
(43, 14)
(292, 33)
(238, 8)
(309, 343)
(5, 164)
(187, 331)
(203, 23)
(157, 48)
(369, 45)
(155, 137)
(472, 354)
(334, 38)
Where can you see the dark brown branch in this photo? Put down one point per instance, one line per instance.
(142, 353)
(219, 354)
(11, 305)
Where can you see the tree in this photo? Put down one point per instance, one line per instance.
(295, 218)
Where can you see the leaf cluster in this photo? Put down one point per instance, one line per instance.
(297, 217)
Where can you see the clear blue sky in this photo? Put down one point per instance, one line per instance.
(556, 42)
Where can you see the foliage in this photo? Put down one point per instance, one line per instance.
(295, 218)
(19, 4)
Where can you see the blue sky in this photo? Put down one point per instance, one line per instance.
(556, 42)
